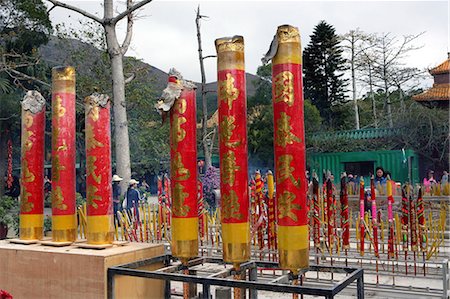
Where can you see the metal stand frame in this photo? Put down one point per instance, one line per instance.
(173, 272)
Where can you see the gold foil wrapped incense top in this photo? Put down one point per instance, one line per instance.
(66, 73)
(63, 79)
(225, 44)
(230, 53)
(288, 34)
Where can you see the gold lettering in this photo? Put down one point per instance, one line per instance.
(56, 169)
(58, 199)
(178, 171)
(27, 175)
(229, 168)
(90, 169)
(230, 206)
(179, 196)
(180, 106)
(284, 135)
(177, 132)
(286, 206)
(60, 110)
(226, 131)
(28, 119)
(25, 205)
(27, 143)
(63, 147)
(91, 196)
(285, 170)
(227, 90)
(94, 113)
(91, 142)
(284, 88)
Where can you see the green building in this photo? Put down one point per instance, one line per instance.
(402, 164)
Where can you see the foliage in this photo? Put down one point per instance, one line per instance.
(260, 120)
(323, 71)
(47, 223)
(9, 212)
(148, 138)
(79, 200)
(211, 181)
(260, 136)
(424, 130)
(24, 26)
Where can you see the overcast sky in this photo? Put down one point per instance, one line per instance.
(165, 34)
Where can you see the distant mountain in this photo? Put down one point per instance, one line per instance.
(57, 52)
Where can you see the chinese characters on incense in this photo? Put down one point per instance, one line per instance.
(289, 143)
(32, 174)
(63, 155)
(98, 170)
(233, 149)
(183, 167)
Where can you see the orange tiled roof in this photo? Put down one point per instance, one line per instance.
(439, 92)
(442, 68)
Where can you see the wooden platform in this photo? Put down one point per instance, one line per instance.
(37, 271)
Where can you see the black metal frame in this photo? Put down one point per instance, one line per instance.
(219, 279)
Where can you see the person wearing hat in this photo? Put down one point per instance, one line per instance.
(133, 196)
(116, 191)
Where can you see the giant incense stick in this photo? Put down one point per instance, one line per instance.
(100, 219)
(32, 171)
(64, 222)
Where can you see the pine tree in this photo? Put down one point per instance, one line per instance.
(323, 67)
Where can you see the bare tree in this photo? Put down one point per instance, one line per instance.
(116, 51)
(355, 42)
(207, 149)
(372, 94)
(389, 53)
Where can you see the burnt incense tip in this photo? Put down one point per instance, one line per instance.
(33, 101)
(97, 99)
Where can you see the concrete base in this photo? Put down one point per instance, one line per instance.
(37, 271)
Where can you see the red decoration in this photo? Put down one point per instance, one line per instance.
(9, 179)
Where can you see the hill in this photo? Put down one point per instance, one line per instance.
(59, 52)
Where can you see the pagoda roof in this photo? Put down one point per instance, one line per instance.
(443, 68)
(439, 92)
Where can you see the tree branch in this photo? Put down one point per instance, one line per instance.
(127, 40)
(128, 11)
(24, 76)
(48, 11)
(131, 78)
(76, 9)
